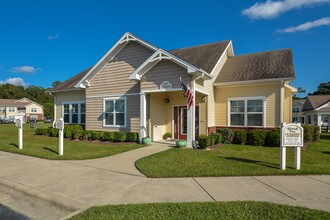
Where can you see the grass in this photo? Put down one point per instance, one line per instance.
(207, 210)
(235, 160)
(47, 147)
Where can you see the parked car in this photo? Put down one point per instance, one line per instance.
(48, 120)
(324, 123)
(7, 120)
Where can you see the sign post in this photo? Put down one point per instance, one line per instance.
(59, 124)
(292, 135)
(19, 125)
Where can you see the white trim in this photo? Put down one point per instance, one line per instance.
(114, 119)
(282, 91)
(114, 95)
(200, 91)
(70, 107)
(245, 99)
(220, 59)
(67, 90)
(55, 102)
(253, 81)
(143, 116)
(323, 106)
(162, 90)
(293, 89)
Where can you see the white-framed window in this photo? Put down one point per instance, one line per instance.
(2, 109)
(247, 111)
(33, 109)
(114, 112)
(74, 112)
(295, 109)
(11, 109)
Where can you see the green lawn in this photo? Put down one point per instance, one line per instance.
(235, 160)
(207, 210)
(47, 147)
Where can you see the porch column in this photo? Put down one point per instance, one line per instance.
(143, 116)
(191, 118)
(282, 101)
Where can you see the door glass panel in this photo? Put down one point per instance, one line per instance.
(196, 121)
(184, 120)
(176, 127)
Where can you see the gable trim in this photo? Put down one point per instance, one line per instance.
(323, 106)
(221, 57)
(115, 49)
(253, 81)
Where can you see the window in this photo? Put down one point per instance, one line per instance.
(74, 113)
(11, 109)
(33, 109)
(295, 110)
(21, 110)
(246, 112)
(114, 112)
(2, 109)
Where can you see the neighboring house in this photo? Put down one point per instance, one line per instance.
(135, 87)
(317, 110)
(297, 111)
(14, 108)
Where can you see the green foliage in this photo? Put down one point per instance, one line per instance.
(226, 134)
(323, 89)
(100, 135)
(94, 135)
(257, 137)
(53, 132)
(308, 133)
(316, 133)
(273, 138)
(77, 134)
(86, 135)
(212, 140)
(108, 136)
(240, 137)
(204, 141)
(41, 131)
(132, 137)
(119, 136)
(217, 138)
(70, 130)
(167, 135)
(68, 134)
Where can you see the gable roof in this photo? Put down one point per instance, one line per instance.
(69, 84)
(17, 102)
(276, 64)
(298, 101)
(203, 56)
(315, 101)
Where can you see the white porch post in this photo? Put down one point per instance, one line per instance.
(143, 116)
(281, 101)
(191, 118)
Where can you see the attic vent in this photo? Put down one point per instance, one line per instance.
(165, 85)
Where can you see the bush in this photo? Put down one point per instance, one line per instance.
(69, 130)
(108, 136)
(203, 141)
(167, 135)
(119, 136)
(308, 133)
(273, 138)
(226, 134)
(94, 135)
(212, 140)
(132, 137)
(77, 135)
(53, 132)
(240, 137)
(316, 133)
(257, 137)
(100, 135)
(217, 138)
(68, 134)
(86, 135)
(41, 131)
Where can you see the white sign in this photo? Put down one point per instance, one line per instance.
(165, 85)
(18, 123)
(59, 124)
(292, 135)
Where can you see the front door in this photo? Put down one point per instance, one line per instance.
(180, 122)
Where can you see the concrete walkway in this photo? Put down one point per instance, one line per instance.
(45, 189)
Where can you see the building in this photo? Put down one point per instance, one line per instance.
(135, 86)
(297, 111)
(317, 110)
(14, 108)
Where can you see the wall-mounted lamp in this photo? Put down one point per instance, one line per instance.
(204, 99)
(167, 100)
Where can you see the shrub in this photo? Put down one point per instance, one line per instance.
(212, 140)
(316, 133)
(86, 135)
(100, 135)
(77, 135)
(132, 137)
(240, 137)
(94, 135)
(41, 131)
(308, 133)
(167, 135)
(203, 141)
(68, 134)
(49, 130)
(53, 132)
(119, 136)
(108, 136)
(257, 137)
(69, 130)
(217, 138)
(226, 134)
(273, 138)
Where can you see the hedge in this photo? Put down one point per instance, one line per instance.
(203, 141)
(218, 138)
(240, 137)
(41, 131)
(212, 139)
(132, 136)
(108, 136)
(119, 136)
(257, 137)
(273, 138)
(226, 134)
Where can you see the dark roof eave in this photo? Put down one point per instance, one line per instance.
(253, 81)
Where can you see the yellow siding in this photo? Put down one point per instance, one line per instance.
(113, 77)
(76, 96)
(270, 91)
(287, 117)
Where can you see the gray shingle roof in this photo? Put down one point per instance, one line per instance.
(257, 66)
(315, 101)
(203, 56)
(13, 103)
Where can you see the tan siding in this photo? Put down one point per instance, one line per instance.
(77, 96)
(164, 71)
(270, 91)
(113, 77)
(94, 115)
(287, 106)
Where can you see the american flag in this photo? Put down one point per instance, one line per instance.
(187, 94)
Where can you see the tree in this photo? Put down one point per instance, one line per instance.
(300, 90)
(56, 83)
(323, 89)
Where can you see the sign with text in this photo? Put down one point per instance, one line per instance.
(18, 123)
(59, 124)
(292, 135)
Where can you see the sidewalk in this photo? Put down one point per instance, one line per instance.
(58, 188)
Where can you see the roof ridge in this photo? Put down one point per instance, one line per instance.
(262, 52)
(190, 47)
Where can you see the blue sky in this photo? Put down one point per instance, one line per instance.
(45, 41)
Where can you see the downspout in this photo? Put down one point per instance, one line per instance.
(54, 108)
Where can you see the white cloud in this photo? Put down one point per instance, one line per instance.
(271, 9)
(306, 26)
(53, 37)
(14, 81)
(25, 69)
